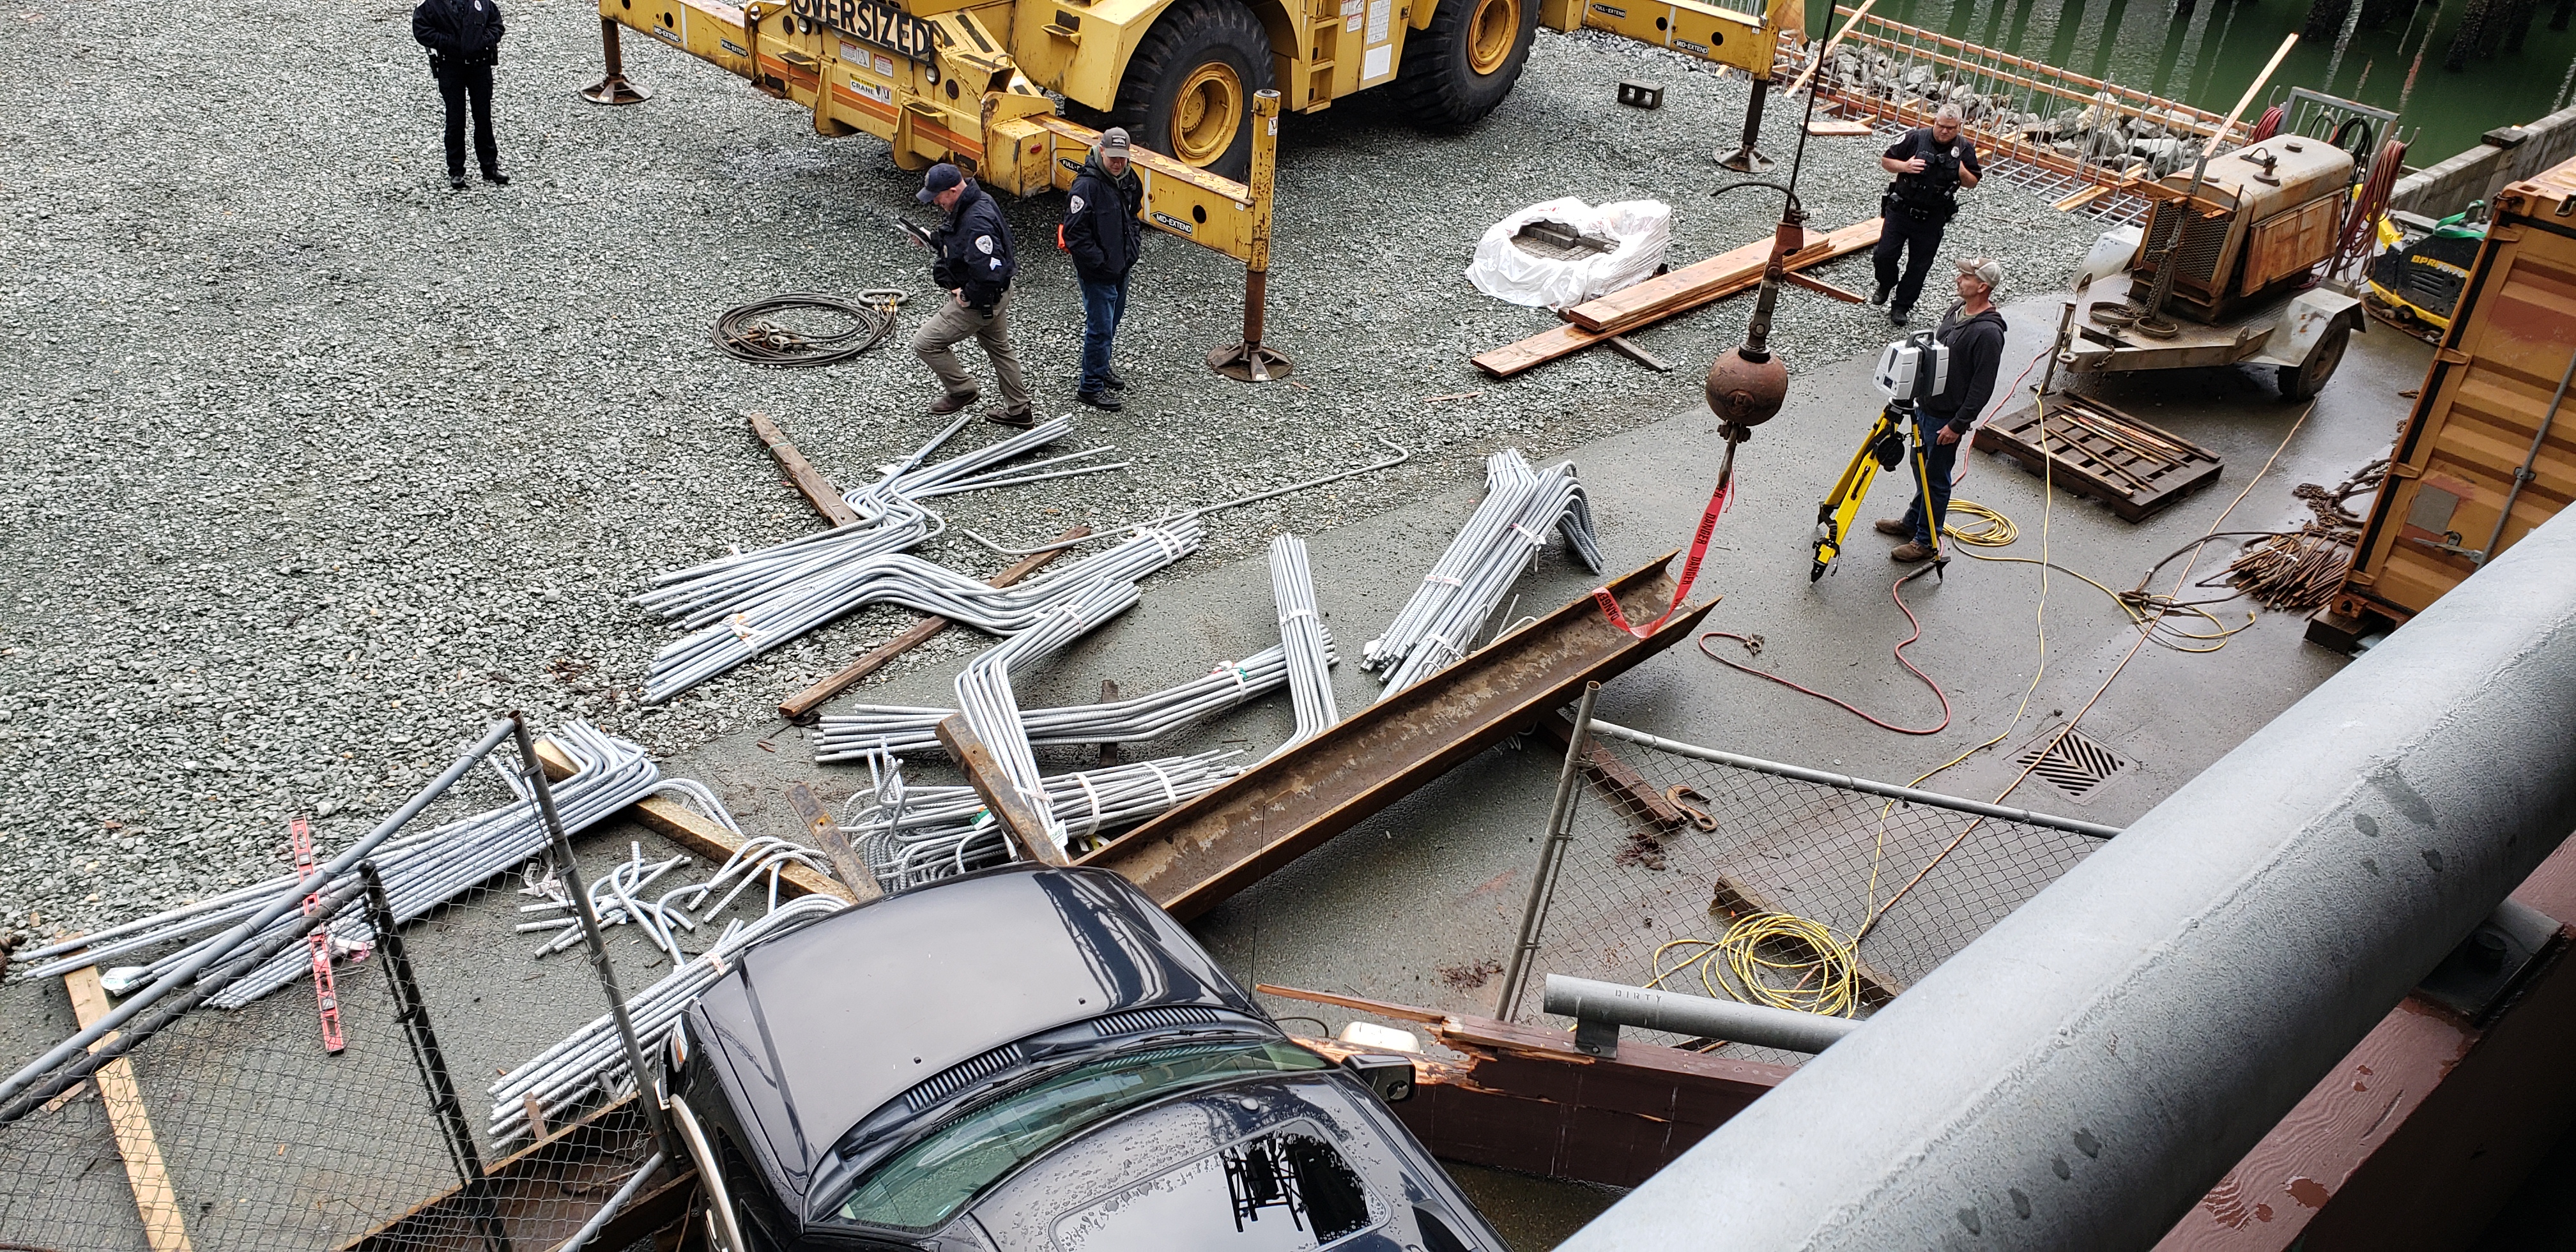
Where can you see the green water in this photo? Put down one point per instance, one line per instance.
(2209, 57)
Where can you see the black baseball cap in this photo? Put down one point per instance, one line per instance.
(940, 178)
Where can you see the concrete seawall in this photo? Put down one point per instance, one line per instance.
(2479, 173)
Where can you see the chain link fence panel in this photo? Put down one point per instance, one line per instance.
(1631, 886)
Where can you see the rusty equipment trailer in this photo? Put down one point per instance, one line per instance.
(2482, 454)
(1196, 855)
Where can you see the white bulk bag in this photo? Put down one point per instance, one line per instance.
(1642, 228)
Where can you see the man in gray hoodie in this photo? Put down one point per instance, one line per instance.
(1974, 332)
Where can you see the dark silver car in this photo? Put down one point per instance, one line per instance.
(1036, 1058)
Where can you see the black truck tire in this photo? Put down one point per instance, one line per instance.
(2304, 380)
(1198, 67)
(1459, 68)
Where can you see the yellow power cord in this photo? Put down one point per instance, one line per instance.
(1825, 979)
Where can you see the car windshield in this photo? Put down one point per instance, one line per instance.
(925, 1184)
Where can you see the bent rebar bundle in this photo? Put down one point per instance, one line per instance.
(875, 729)
(915, 835)
(420, 871)
(1439, 624)
(743, 605)
(593, 1058)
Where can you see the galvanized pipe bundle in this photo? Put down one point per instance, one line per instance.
(1307, 650)
(915, 835)
(899, 729)
(985, 698)
(593, 1058)
(420, 872)
(896, 578)
(1438, 625)
(763, 598)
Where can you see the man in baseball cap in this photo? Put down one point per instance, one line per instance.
(1103, 230)
(1974, 332)
(976, 264)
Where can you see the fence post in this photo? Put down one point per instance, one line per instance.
(560, 844)
(413, 1012)
(1551, 853)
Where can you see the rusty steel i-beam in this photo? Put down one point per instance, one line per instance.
(1196, 855)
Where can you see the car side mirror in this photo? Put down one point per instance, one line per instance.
(1391, 1077)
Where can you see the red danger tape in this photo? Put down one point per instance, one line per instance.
(1717, 502)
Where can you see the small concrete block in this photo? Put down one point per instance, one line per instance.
(1641, 94)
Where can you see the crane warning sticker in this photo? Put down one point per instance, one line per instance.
(1352, 11)
(1378, 12)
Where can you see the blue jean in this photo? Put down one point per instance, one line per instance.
(1104, 302)
(1938, 457)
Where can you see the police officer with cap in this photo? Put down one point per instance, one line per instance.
(464, 42)
(976, 264)
(1931, 164)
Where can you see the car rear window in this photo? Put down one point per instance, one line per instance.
(926, 1184)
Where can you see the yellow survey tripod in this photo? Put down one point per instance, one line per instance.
(1911, 369)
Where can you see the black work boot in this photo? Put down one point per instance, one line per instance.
(1017, 421)
(496, 178)
(1899, 315)
(1110, 381)
(456, 182)
(1880, 296)
(1101, 400)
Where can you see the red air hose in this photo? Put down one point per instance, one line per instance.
(2268, 127)
(1896, 593)
(2361, 227)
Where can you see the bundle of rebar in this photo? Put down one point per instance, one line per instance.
(1306, 649)
(593, 1058)
(747, 603)
(2297, 572)
(878, 729)
(421, 872)
(781, 616)
(914, 835)
(1439, 624)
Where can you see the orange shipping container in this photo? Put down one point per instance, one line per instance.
(2490, 450)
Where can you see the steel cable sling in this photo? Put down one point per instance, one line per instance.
(746, 332)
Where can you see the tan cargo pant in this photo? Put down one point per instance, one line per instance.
(938, 338)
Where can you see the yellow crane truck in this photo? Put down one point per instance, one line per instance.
(1198, 84)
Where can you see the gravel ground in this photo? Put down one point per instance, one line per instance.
(313, 464)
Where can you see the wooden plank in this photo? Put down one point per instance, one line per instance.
(797, 707)
(1834, 126)
(1659, 297)
(164, 1225)
(1627, 787)
(1375, 1008)
(1561, 341)
(801, 474)
(1621, 345)
(2081, 198)
(1822, 288)
(982, 769)
(685, 827)
(834, 842)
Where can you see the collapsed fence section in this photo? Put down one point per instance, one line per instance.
(186, 1127)
(1707, 873)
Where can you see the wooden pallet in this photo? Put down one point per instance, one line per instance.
(2091, 464)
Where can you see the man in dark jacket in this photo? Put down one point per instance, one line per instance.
(464, 42)
(1931, 164)
(975, 265)
(1104, 234)
(1974, 332)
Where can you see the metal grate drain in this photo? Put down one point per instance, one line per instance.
(2075, 764)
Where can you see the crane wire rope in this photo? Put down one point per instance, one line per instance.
(747, 332)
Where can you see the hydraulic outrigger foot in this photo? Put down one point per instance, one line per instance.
(613, 89)
(1747, 159)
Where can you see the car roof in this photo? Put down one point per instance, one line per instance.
(817, 1029)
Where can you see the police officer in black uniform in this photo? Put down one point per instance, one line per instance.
(464, 42)
(1931, 164)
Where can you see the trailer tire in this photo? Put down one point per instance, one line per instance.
(1199, 64)
(1459, 68)
(2304, 380)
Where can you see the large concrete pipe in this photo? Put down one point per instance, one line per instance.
(2083, 1073)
